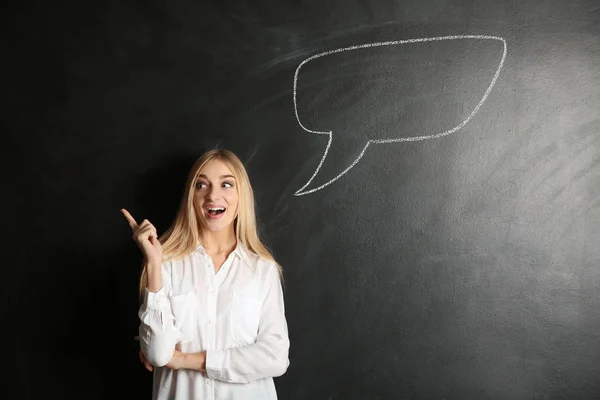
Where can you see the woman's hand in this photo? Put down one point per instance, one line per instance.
(145, 361)
(146, 238)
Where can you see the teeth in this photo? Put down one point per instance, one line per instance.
(216, 208)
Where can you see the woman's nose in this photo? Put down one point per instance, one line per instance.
(213, 193)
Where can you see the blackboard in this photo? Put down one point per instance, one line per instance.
(447, 248)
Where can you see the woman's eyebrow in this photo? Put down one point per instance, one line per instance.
(220, 177)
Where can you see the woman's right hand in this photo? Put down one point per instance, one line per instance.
(146, 237)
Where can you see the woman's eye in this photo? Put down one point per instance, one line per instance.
(228, 184)
(200, 185)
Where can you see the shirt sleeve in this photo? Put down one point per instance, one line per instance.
(268, 356)
(158, 334)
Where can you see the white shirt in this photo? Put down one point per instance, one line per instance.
(236, 315)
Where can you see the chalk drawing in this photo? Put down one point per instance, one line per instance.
(301, 191)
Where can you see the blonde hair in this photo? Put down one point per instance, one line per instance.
(183, 235)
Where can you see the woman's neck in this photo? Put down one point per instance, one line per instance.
(218, 242)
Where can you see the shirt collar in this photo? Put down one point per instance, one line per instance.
(239, 251)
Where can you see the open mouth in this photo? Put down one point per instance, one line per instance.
(215, 210)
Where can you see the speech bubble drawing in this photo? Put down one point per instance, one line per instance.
(369, 141)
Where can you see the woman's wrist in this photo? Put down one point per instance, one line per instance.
(154, 278)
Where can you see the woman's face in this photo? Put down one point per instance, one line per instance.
(216, 196)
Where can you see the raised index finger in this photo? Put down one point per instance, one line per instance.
(130, 219)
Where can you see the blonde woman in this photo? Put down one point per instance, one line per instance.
(212, 314)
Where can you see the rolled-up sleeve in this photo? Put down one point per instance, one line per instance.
(158, 334)
(268, 356)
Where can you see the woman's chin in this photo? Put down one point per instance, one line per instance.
(216, 226)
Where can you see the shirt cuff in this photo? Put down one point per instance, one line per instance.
(154, 300)
(214, 363)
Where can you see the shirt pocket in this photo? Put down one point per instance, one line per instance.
(245, 317)
(185, 311)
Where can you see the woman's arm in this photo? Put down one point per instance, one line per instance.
(158, 334)
(268, 357)
(195, 361)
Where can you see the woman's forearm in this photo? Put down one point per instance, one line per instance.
(195, 361)
(154, 277)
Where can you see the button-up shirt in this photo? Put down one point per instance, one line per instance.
(236, 315)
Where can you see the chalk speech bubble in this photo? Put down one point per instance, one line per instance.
(329, 133)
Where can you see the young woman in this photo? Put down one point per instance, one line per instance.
(212, 315)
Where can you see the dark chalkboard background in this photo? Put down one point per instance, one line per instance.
(463, 267)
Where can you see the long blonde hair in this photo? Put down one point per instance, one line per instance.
(182, 236)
